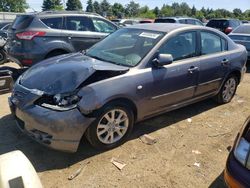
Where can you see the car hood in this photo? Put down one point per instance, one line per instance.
(65, 73)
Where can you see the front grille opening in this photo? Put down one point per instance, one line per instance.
(41, 136)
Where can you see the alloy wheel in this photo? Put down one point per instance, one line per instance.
(229, 89)
(112, 126)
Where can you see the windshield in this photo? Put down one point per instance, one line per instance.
(243, 29)
(125, 47)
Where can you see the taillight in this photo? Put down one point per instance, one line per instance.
(27, 61)
(228, 30)
(29, 35)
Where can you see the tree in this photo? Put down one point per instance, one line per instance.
(97, 7)
(118, 10)
(237, 12)
(90, 6)
(157, 11)
(106, 8)
(132, 9)
(74, 5)
(52, 5)
(13, 5)
(193, 11)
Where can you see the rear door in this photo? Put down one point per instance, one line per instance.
(214, 62)
(79, 31)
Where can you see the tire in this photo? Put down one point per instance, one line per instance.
(106, 128)
(2, 57)
(55, 53)
(228, 90)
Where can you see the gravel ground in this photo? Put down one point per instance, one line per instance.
(168, 163)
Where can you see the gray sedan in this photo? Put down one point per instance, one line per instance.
(133, 74)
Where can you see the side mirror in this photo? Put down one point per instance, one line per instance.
(163, 59)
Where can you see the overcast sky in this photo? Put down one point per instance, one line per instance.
(227, 4)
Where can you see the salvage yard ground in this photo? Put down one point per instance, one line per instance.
(191, 149)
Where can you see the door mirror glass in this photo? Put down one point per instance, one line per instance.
(163, 59)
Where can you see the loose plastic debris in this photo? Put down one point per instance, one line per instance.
(118, 164)
(147, 139)
(196, 152)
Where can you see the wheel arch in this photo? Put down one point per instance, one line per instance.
(126, 102)
(63, 51)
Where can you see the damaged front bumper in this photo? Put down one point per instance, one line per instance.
(55, 129)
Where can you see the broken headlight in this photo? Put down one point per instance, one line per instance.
(242, 148)
(60, 102)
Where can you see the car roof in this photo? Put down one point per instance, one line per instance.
(162, 27)
(61, 13)
(224, 19)
(177, 18)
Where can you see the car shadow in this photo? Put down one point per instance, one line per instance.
(45, 159)
(218, 182)
(248, 66)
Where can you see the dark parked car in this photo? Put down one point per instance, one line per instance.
(241, 35)
(237, 172)
(133, 74)
(181, 20)
(224, 25)
(34, 37)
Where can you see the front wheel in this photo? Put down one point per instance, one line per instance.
(112, 126)
(228, 90)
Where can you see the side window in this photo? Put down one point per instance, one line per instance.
(54, 23)
(189, 21)
(182, 21)
(103, 26)
(211, 43)
(198, 23)
(79, 23)
(181, 46)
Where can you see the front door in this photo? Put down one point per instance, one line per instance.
(174, 83)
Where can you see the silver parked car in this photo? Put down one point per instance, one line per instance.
(241, 35)
(133, 74)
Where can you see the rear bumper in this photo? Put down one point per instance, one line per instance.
(26, 59)
(235, 175)
(58, 130)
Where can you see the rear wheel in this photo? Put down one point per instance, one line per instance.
(112, 126)
(228, 90)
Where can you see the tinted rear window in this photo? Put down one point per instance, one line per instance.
(163, 20)
(244, 29)
(55, 23)
(22, 22)
(218, 23)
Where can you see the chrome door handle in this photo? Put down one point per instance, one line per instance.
(225, 62)
(192, 69)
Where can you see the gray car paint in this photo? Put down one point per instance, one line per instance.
(148, 89)
(55, 39)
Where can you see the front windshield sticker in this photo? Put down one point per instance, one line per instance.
(149, 35)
